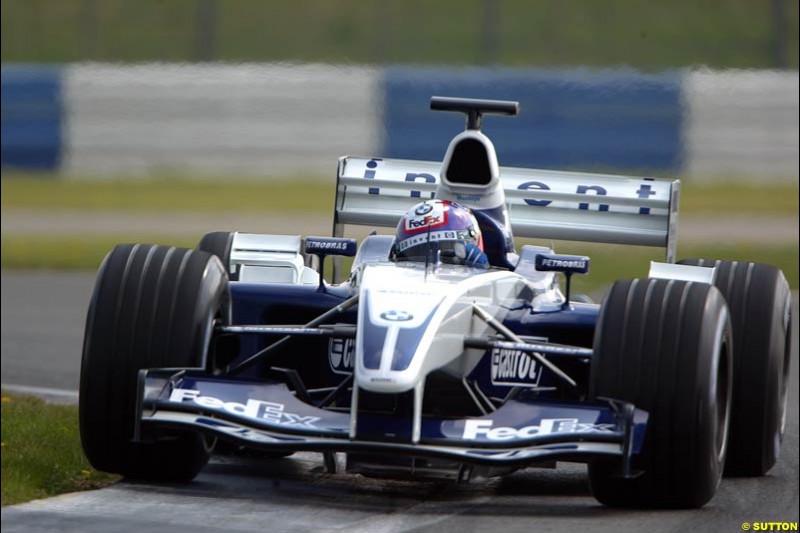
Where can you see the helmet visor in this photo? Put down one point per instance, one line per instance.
(450, 252)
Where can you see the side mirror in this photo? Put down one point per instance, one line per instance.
(322, 247)
(566, 264)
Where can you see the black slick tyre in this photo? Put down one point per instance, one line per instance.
(219, 243)
(759, 300)
(665, 346)
(152, 307)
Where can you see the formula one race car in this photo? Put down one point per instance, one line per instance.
(422, 366)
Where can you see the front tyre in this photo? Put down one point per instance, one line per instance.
(152, 307)
(665, 346)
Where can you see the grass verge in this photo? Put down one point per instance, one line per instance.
(303, 194)
(739, 199)
(42, 453)
(74, 252)
(609, 262)
(167, 194)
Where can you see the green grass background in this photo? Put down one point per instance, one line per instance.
(167, 194)
(41, 451)
(309, 194)
(645, 35)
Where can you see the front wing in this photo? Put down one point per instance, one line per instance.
(266, 414)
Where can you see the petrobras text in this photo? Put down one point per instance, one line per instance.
(333, 246)
(476, 429)
(561, 263)
(316, 245)
(256, 409)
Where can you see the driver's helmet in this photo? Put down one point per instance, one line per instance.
(440, 227)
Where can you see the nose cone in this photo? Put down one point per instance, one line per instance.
(391, 329)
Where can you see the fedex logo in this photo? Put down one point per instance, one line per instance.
(475, 429)
(256, 409)
(423, 222)
(426, 216)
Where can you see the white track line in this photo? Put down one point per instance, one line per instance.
(46, 393)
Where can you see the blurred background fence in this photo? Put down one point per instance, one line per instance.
(278, 119)
(706, 89)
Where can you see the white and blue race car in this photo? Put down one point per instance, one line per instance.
(425, 369)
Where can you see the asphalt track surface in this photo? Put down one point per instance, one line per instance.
(42, 328)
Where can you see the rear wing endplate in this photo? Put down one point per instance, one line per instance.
(545, 204)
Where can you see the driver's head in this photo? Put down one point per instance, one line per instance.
(450, 228)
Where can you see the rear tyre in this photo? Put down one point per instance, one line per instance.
(665, 346)
(219, 243)
(759, 300)
(152, 307)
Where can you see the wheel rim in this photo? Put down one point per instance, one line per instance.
(723, 401)
(783, 400)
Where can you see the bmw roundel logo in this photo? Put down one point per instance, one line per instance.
(423, 209)
(397, 316)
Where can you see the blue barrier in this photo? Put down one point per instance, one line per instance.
(31, 125)
(575, 119)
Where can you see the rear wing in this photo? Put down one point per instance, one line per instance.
(545, 204)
